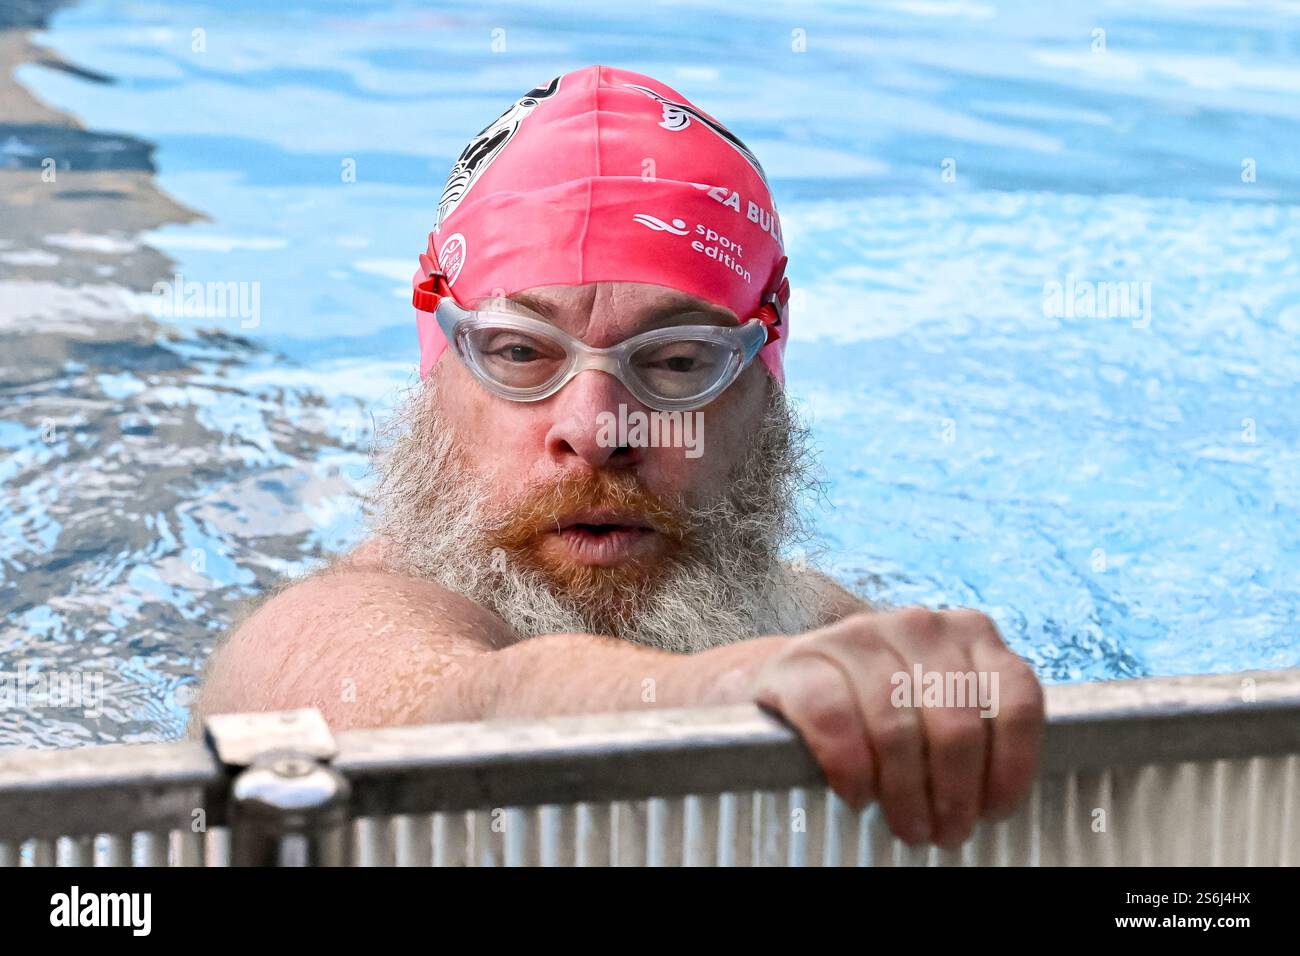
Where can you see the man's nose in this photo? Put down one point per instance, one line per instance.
(586, 416)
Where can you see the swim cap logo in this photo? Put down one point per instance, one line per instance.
(451, 257)
(678, 228)
(486, 146)
(678, 116)
(711, 243)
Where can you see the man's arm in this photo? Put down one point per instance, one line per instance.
(369, 648)
(365, 646)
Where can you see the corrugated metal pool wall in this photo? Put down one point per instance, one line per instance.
(1183, 771)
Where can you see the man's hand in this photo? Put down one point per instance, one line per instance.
(850, 690)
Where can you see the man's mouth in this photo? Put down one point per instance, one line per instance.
(604, 538)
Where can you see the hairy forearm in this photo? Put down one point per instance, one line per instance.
(583, 673)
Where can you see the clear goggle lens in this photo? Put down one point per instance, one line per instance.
(675, 370)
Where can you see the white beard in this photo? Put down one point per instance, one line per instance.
(729, 585)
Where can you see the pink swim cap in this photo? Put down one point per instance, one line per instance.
(604, 175)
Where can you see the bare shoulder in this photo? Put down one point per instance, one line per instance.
(368, 554)
(835, 601)
(346, 623)
(352, 599)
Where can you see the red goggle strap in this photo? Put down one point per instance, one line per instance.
(773, 310)
(430, 292)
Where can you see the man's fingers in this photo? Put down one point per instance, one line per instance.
(935, 763)
(957, 742)
(1017, 730)
(813, 694)
(896, 734)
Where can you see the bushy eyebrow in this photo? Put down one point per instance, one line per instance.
(532, 304)
(677, 306)
(688, 305)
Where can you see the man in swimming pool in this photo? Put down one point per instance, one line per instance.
(607, 269)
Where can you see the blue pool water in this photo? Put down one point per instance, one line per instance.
(1119, 488)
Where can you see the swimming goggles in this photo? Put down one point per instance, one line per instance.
(523, 359)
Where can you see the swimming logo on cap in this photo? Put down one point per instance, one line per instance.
(487, 145)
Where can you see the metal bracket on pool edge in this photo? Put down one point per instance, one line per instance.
(287, 805)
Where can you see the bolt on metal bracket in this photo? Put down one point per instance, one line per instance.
(287, 805)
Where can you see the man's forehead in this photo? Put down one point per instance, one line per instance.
(638, 303)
